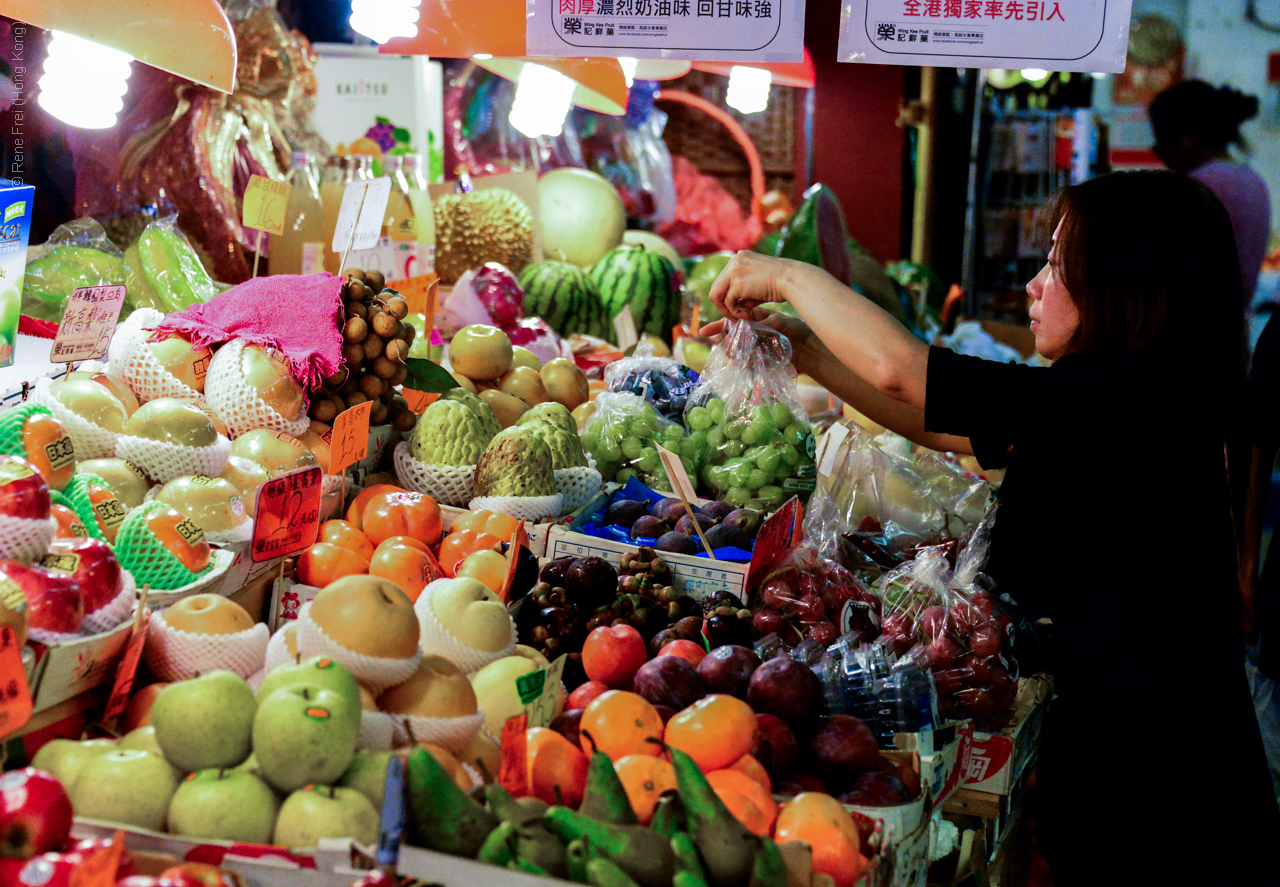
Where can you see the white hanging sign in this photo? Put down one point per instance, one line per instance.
(706, 30)
(1055, 35)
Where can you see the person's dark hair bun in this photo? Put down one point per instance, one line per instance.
(1237, 107)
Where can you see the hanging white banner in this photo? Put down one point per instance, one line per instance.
(706, 30)
(1056, 35)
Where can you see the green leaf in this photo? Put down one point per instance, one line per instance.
(400, 134)
(428, 376)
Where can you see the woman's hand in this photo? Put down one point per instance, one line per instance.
(751, 279)
(804, 344)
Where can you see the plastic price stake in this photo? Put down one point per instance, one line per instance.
(695, 320)
(519, 539)
(88, 323)
(680, 481)
(624, 324)
(513, 768)
(265, 203)
(780, 534)
(99, 868)
(350, 437)
(831, 442)
(287, 516)
(393, 815)
(15, 693)
(364, 203)
(541, 711)
(128, 668)
(420, 292)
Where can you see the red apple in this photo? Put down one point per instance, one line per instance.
(92, 564)
(23, 492)
(198, 874)
(35, 813)
(612, 654)
(54, 600)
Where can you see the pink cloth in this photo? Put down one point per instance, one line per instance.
(298, 315)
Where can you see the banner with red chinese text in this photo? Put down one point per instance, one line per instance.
(1055, 35)
(706, 30)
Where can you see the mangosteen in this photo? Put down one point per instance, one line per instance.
(677, 541)
(721, 599)
(590, 582)
(624, 512)
(681, 608)
(723, 629)
(649, 527)
(554, 572)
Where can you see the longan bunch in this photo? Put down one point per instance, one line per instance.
(375, 344)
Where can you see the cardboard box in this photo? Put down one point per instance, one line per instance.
(944, 758)
(287, 599)
(997, 760)
(694, 576)
(65, 670)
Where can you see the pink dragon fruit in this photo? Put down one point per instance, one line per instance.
(534, 334)
(500, 293)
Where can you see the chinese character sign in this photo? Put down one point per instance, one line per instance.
(1056, 35)
(88, 322)
(710, 30)
(287, 516)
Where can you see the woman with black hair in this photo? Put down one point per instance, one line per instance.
(1195, 126)
(1114, 519)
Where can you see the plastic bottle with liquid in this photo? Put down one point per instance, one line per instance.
(300, 249)
(410, 218)
(339, 172)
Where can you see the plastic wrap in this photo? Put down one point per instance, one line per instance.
(623, 433)
(631, 154)
(760, 445)
(77, 254)
(661, 381)
(810, 597)
(164, 271)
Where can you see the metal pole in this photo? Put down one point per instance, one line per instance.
(922, 207)
(968, 272)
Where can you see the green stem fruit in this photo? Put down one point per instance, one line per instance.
(442, 816)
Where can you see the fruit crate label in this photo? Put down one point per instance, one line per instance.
(88, 323)
(15, 693)
(513, 768)
(624, 324)
(364, 204)
(287, 516)
(60, 453)
(541, 709)
(529, 686)
(110, 512)
(265, 204)
(350, 441)
(706, 30)
(190, 531)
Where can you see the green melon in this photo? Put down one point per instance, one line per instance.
(644, 280)
(563, 295)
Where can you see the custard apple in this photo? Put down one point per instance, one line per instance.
(553, 412)
(448, 433)
(516, 463)
(566, 448)
(488, 421)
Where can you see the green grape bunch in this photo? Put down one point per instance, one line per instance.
(758, 456)
(623, 437)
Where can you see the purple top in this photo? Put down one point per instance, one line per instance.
(1248, 203)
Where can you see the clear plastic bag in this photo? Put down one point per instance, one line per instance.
(164, 271)
(77, 254)
(810, 597)
(760, 445)
(633, 157)
(661, 381)
(622, 436)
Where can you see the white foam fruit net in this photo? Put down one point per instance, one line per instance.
(237, 403)
(577, 486)
(91, 441)
(163, 462)
(530, 508)
(375, 672)
(377, 731)
(447, 484)
(115, 611)
(452, 734)
(131, 359)
(176, 655)
(278, 649)
(220, 560)
(436, 640)
(26, 539)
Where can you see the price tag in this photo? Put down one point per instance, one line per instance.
(624, 324)
(541, 710)
(513, 768)
(680, 483)
(418, 400)
(831, 442)
(88, 323)
(128, 668)
(420, 292)
(99, 868)
(695, 321)
(779, 535)
(15, 693)
(287, 517)
(364, 203)
(350, 441)
(265, 203)
(519, 539)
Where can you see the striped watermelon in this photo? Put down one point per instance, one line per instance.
(632, 275)
(563, 295)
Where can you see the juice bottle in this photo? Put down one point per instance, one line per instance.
(409, 221)
(339, 172)
(424, 216)
(300, 249)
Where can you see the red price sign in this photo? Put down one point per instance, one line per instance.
(513, 767)
(350, 438)
(15, 693)
(128, 669)
(287, 517)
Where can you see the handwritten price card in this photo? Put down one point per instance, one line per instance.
(15, 694)
(539, 691)
(265, 202)
(88, 323)
(287, 518)
(350, 441)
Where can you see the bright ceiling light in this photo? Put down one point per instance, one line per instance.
(1034, 74)
(84, 83)
(482, 56)
(380, 20)
(748, 89)
(628, 69)
(543, 99)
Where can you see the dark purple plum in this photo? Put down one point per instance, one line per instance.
(725, 536)
(678, 542)
(624, 512)
(649, 527)
(843, 747)
(785, 688)
(748, 520)
(669, 681)
(717, 511)
(728, 669)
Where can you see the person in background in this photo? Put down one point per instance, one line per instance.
(1195, 126)
(1114, 517)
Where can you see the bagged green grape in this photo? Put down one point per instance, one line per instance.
(759, 442)
(623, 435)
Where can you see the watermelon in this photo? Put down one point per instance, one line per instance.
(645, 280)
(563, 295)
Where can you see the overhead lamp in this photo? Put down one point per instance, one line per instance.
(799, 74)
(461, 29)
(598, 83)
(380, 20)
(543, 99)
(748, 89)
(188, 38)
(84, 83)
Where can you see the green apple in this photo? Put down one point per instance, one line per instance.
(323, 811)
(318, 671)
(91, 402)
(304, 735)
(368, 774)
(172, 421)
(206, 721)
(121, 476)
(250, 765)
(65, 758)
(226, 805)
(143, 738)
(127, 786)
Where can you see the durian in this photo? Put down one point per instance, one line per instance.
(489, 225)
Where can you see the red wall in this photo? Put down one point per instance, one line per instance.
(857, 148)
